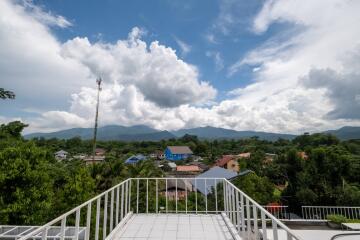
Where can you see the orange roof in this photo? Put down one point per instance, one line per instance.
(224, 160)
(191, 168)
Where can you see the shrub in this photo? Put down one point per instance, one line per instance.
(337, 218)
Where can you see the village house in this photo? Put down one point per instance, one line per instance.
(303, 155)
(229, 162)
(61, 155)
(135, 159)
(244, 155)
(94, 159)
(188, 169)
(100, 152)
(176, 153)
(176, 189)
(269, 157)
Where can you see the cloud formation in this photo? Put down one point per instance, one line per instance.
(305, 79)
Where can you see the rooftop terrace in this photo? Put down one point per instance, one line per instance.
(149, 208)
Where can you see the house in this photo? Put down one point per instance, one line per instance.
(100, 152)
(172, 166)
(188, 169)
(269, 157)
(61, 155)
(176, 189)
(244, 155)
(94, 159)
(157, 154)
(229, 162)
(303, 155)
(214, 172)
(176, 153)
(135, 159)
(201, 165)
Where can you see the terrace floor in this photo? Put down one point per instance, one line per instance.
(174, 226)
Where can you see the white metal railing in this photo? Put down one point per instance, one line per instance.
(321, 212)
(103, 213)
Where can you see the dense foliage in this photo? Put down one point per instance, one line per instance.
(35, 188)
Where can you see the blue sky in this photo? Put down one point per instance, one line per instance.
(167, 21)
(280, 66)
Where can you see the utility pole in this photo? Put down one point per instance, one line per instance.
(98, 82)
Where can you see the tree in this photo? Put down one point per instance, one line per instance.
(12, 130)
(26, 188)
(258, 188)
(4, 94)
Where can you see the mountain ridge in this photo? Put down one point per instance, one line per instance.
(146, 133)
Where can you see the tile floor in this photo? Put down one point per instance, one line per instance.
(174, 226)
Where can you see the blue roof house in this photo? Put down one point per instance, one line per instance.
(176, 153)
(215, 172)
(135, 159)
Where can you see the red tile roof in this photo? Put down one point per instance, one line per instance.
(180, 150)
(224, 160)
(191, 168)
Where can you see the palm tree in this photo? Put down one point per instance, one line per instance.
(4, 94)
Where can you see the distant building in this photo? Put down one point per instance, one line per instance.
(303, 155)
(100, 152)
(176, 189)
(244, 155)
(172, 166)
(188, 169)
(61, 155)
(229, 162)
(94, 159)
(201, 165)
(269, 157)
(79, 156)
(135, 159)
(206, 186)
(176, 153)
(157, 154)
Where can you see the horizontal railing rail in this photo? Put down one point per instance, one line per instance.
(103, 213)
(321, 212)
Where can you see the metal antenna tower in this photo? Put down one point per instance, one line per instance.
(98, 82)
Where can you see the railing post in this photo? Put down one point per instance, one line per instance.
(176, 195)
(147, 195)
(263, 225)
(137, 195)
(122, 202)
(88, 221)
(126, 197)
(186, 197)
(77, 223)
(243, 224)
(275, 231)
(216, 207)
(256, 230)
(44, 234)
(237, 211)
(157, 204)
(206, 197)
(166, 195)
(97, 218)
(248, 216)
(129, 202)
(63, 228)
(196, 204)
(112, 210)
(224, 197)
(117, 206)
(105, 215)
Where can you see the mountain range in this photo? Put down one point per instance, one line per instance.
(145, 133)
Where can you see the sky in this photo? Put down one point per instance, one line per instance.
(287, 66)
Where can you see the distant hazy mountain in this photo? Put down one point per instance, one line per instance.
(111, 132)
(145, 133)
(222, 133)
(346, 133)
